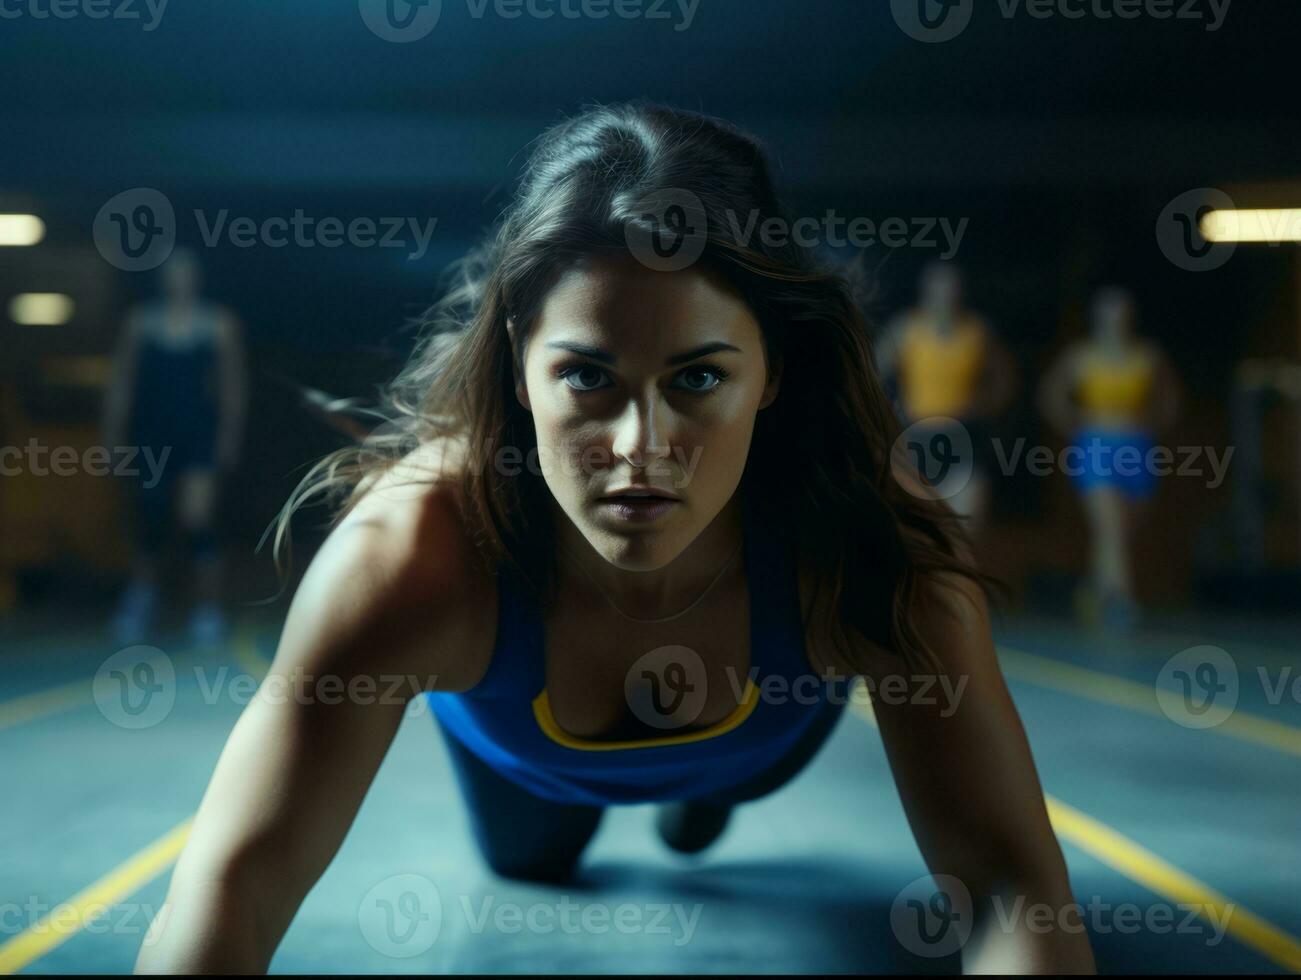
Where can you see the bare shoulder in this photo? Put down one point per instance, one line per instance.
(395, 584)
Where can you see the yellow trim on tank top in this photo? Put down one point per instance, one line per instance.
(547, 722)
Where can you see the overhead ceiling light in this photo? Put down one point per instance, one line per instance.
(1252, 225)
(21, 229)
(41, 309)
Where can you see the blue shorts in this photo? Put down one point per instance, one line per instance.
(1118, 458)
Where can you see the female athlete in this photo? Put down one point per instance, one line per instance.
(636, 519)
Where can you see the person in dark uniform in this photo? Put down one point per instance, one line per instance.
(177, 396)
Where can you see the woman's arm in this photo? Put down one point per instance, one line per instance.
(373, 608)
(968, 783)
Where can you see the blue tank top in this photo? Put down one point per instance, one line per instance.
(506, 720)
(175, 398)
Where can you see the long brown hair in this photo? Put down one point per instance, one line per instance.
(820, 463)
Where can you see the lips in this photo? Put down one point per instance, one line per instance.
(634, 495)
(637, 509)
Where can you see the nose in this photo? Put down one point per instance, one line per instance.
(641, 435)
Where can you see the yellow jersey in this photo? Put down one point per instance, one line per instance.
(1115, 390)
(939, 372)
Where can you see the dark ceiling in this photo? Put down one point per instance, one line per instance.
(263, 93)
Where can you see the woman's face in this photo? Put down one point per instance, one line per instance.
(636, 376)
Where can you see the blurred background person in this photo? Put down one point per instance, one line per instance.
(1111, 391)
(946, 363)
(178, 392)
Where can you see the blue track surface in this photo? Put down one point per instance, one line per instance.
(802, 881)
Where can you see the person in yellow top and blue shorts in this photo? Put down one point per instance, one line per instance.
(1111, 393)
(949, 371)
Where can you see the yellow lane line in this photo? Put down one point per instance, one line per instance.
(70, 917)
(1109, 689)
(65, 697)
(1158, 876)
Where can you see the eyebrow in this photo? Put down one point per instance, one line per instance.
(605, 357)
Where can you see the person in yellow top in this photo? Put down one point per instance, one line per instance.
(1110, 393)
(948, 366)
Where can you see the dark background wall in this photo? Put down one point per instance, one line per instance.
(1058, 140)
